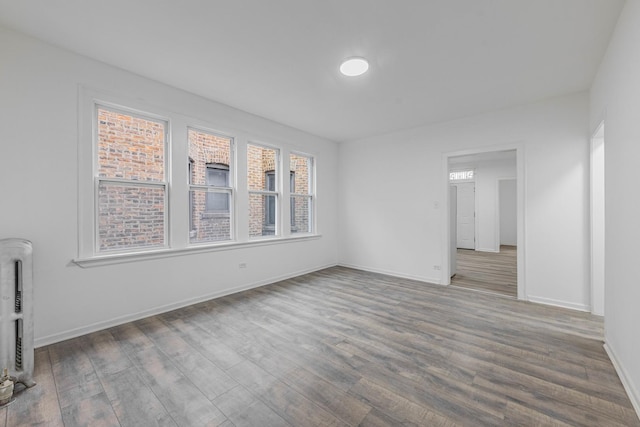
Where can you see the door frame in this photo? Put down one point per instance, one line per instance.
(596, 218)
(521, 210)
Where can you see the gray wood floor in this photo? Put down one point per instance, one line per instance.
(338, 347)
(488, 272)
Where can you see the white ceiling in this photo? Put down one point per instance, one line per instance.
(431, 60)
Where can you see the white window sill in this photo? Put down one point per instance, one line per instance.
(119, 258)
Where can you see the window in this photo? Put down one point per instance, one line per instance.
(270, 211)
(192, 224)
(461, 175)
(210, 187)
(152, 186)
(262, 183)
(130, 180)
(292, 206)
(302, 195)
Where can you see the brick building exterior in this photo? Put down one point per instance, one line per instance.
(261, 168)
(301, 208)
(261, 161)
(210, 216)
(132, 191)
(130, 149)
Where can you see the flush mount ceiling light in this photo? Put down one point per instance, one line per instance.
(354, 67)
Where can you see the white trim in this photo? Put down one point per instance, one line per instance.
(429, 280)
(89, 101)
(491, 250)
(476, 217)
(311, 195)
(98, 326)
(519, 147)
(124, 257)
(211, 188)
(278, 184)
(625, 379)
(124, 182)
(558, 303)
(231, 190)
(264, 192)
(596, 220)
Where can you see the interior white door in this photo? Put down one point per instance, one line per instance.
(466, 222)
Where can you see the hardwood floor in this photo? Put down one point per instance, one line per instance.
(338, 347)
(488, 272)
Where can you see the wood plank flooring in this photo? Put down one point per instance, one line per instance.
(338, 347)
(488, 272)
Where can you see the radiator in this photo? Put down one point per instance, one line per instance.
(16, 309)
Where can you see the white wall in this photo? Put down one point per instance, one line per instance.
(487, 194)
(597, 202)
(392, 188)
(508, 212)
(487, 174)
(615, 97)
(39, 181)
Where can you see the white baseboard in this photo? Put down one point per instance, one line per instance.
(558, 303)
(491, 250)
(430, 280)
(98, 326)
(632, 392)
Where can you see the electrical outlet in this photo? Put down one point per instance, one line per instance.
(242, 265)
(436, 267)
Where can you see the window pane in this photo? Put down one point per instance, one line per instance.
(270, 184)
(461, 175)
(209, 225)
(270, 210)
(300, 167)
(262, 215)
(217, 177)
(217, 202)
(130, 147)
(300, 214)
(260, 160)
(208, 152)
(130, 216)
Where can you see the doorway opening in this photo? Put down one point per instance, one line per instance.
(485, 221)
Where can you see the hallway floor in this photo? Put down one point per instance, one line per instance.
(487, 271)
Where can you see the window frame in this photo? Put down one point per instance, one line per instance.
(292, 175)
(292, 206)
(190, 167)
(97, 180)
(230, 190)
(277, 192)
(270, 176)
(311, 195)
(464, 170)
(176, 204)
